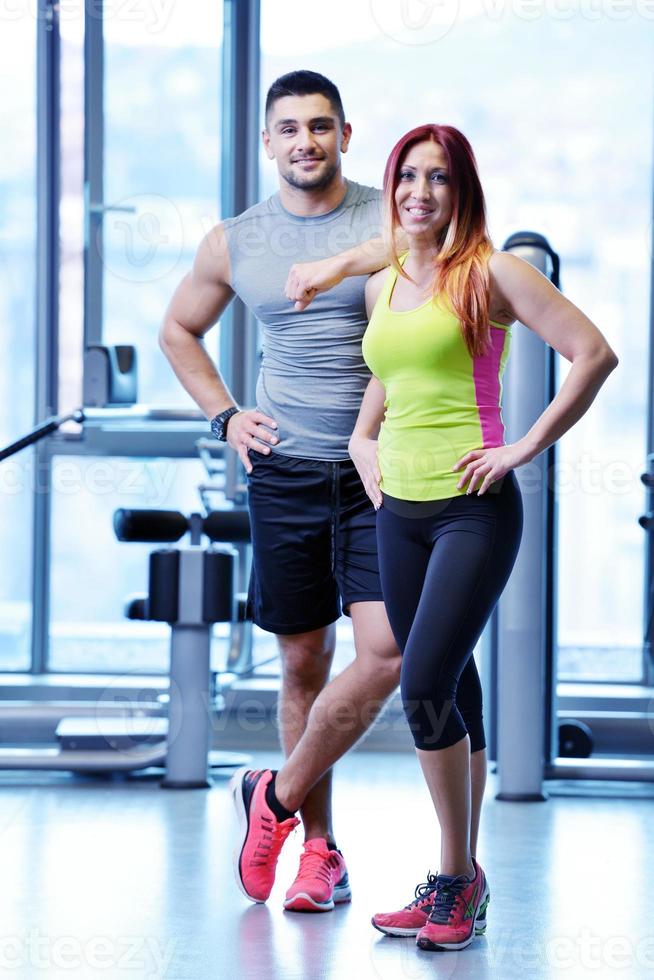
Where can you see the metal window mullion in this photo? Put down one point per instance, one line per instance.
(47, 311)
(648, 663)
(239, 190)
(93, 175)
(551, 579)
(239, 175)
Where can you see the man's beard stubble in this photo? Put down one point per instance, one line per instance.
(310, 183)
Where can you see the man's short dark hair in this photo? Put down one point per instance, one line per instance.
(305, 83)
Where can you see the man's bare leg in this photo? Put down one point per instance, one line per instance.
(345, 708)
(306, 662)
(304, 762)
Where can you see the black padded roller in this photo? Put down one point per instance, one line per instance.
(227, 525)
(163, 598)
(137, 607)
(575, 740)
(242, 608)
(218, 591)
(149, 525)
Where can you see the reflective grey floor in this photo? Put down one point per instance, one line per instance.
(123, 879)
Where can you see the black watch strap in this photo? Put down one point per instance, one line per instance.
(219, 423)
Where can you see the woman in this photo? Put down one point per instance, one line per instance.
(429, 447)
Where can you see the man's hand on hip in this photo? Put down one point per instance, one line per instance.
(245, 430)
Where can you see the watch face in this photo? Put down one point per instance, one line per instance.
(219, 423)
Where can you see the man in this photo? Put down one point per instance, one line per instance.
(313, 526)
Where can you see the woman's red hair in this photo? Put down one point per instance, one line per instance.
(461, 266)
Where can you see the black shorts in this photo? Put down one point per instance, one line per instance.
(314, 545)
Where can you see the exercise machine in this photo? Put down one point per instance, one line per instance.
(191, 588)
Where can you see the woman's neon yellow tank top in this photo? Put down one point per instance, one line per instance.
(440, 401)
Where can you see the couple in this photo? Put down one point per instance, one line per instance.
(378, 477)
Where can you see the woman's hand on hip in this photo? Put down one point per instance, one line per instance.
(486, 466)
(363, 453)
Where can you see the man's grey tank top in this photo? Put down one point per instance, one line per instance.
(312, 375)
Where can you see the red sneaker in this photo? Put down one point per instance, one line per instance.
(409, 920)
(261, 835)
(322, 880)
(458, 904)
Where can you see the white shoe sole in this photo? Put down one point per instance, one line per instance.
(342, 893)
(480, 929)
(302, 902)
(399, 932)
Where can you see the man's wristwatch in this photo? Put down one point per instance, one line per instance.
(219, 423)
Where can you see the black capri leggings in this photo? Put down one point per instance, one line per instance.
(443, 565)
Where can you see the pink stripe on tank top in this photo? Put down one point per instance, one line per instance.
(486, 372)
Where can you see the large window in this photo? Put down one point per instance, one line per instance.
(17, 329)
(94, 574)
(161, 164)
(159, 157)
(162, 159)
(556, 99)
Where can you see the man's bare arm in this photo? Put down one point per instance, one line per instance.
(196, 305)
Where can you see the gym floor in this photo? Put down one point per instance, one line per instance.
(121, 879)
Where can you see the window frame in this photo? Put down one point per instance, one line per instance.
(239, 185)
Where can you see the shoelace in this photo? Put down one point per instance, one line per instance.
(272, 836)
(445, 899)
(424, 891)
(318, 865)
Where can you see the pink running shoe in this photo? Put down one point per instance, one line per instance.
(458, 903)
(410, 920)
(322, 880)
(261, 835)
